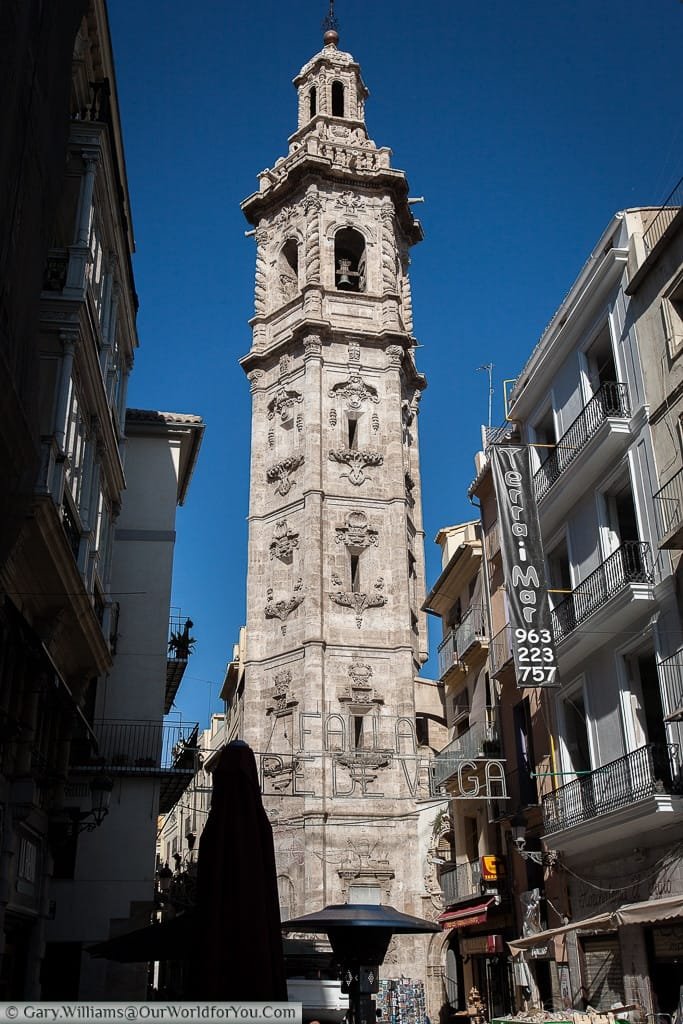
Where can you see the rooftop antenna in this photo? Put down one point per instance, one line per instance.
(488, 367)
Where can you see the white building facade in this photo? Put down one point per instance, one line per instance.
(614, 815)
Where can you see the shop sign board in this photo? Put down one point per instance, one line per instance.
(533, 647)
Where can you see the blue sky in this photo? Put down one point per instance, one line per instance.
(524, 125)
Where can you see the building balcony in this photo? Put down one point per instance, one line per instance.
(501, 650)
(630, 796)
(662, 224)
(180, 647)
(613, 597)
(669, 512)
(670, 672)
(595, 440)
(460, 882)
(167, 752)
(479, 742)
(469, 636)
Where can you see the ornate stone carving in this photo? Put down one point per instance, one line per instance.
(260, 274)
(354, 352)
(288, 286)
(375, 422)
(395, 353)
(285, 365)
(280, 773)
(283, 609)
(283, 403)
(354, 391)
(357, 461)
(333, 417)
(359, 694)
(312, 208)
(280, 472)
(388, 248)
(271, 438)
(350, 201)
(282, 702)
(299, 422)
(284, 542)
(360, 863)
(285, 217)
(357, 534)
(312, 345)
(255, 377)
(360, 603)
(406, 295)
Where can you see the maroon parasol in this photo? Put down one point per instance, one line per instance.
(238, 913)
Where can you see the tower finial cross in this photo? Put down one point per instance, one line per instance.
(330, 22)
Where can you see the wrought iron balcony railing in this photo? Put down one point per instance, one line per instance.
(460, 881)
(664, 218)
(471, 630)
(670, 672)
(138, 747)
(669, 509)
(501, 649)
(611, 399)
(479, 741)
(630, 563)
(654, 768)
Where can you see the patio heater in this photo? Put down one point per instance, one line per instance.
(360, 935)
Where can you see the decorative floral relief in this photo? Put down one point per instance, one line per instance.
(354, 352)
(300, 423)
(357, 533)
(357, 461)
(360, 602)
(350, 201)
(280, 472)
(271, 438)
(283, 609)
(354, 391)
(333, 417)
(283, 404)
(284, 542)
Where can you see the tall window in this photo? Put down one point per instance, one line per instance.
(337, 99)
(312, 101)
(349, 260)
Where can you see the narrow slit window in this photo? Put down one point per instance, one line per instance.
(353, 433)
(355, 574)
(312, 101)
(358, 731)
(337, 99)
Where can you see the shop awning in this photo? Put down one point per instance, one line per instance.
(647, 912)
(175, 939)
(465, 916)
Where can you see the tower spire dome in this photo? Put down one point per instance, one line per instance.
(331, 26)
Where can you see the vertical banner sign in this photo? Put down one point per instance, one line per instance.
(533, 648)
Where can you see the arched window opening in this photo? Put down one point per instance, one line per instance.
(337, 99)
(349, 260)
(312, 101)
(288, 270)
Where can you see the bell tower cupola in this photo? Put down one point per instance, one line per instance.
(330, 88)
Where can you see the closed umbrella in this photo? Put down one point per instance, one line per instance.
(238, 913)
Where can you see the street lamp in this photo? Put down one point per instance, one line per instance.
(545, 858)
(101, 787)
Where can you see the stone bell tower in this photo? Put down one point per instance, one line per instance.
(335, 634)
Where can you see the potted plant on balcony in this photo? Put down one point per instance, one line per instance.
(181, 643)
